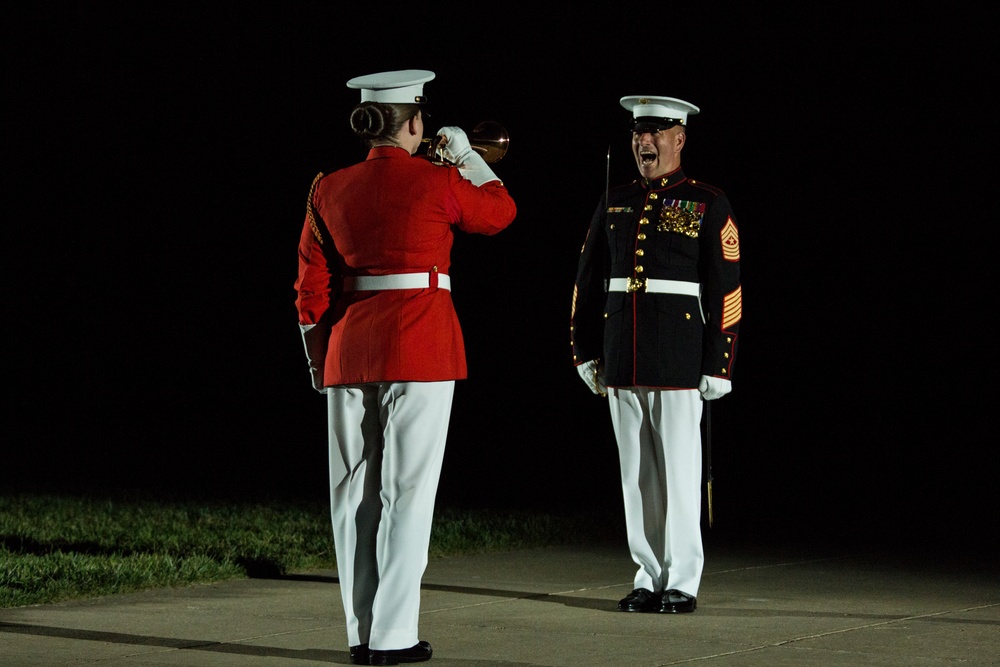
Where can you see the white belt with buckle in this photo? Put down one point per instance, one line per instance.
(654, 285)
(395, 281)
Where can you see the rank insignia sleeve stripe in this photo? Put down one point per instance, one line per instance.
(730, 238)
(732, 308)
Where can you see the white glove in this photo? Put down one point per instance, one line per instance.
(593, 376)
(455, 148)
(315, 339)
(712, 388)
(454, 145)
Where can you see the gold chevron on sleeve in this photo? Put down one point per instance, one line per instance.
(732, 307)
(730, 238)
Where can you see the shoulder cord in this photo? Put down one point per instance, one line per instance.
(309, 209)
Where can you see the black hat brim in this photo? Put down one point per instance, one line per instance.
(653, 124)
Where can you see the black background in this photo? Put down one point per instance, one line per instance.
(157, 162)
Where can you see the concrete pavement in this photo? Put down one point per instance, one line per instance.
(802, 607)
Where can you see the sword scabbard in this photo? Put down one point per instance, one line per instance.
(711, 517)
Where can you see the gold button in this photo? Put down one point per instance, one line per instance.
(642, 237)
(605, 316)
(723, 371)
(687, 316)
(649, 207)
(643, 221)
(726, 355)
(639, 269)
(640, 252)
(653, 195)
(612, 225)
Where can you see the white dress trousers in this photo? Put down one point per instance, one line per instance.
(387, 442)
(659, 450)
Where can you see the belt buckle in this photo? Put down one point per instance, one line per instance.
(636, 284)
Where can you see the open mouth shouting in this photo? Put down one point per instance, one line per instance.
(648, 160)
(657, 153)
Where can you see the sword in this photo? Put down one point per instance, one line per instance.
(708, 458)
(607, 177)
(607, 193)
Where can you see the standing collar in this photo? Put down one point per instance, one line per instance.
(666, 181)
(386, 151)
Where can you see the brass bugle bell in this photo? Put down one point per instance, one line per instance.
(489, 139)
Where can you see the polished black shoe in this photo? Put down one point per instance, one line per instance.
(641, 599)
(417, 653)
(359, 655)
(675, 602)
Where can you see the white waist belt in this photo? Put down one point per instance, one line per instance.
(654, 285)
(395, 281)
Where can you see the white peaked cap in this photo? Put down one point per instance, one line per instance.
(648, 106)
(404, 86)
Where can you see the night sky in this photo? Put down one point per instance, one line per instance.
(157, 163)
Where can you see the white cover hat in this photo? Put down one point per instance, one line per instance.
(658, 111)
(399, 87)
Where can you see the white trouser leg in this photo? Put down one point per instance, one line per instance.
(355, 461)
(387, 444)
(659, 445)
(643, 486)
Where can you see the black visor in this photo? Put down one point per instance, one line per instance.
(645, 124)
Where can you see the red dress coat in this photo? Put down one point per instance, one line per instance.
(391, 214)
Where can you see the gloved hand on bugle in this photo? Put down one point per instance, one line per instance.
(455, 148)
(454, 145)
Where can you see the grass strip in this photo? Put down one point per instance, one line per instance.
(60, 547)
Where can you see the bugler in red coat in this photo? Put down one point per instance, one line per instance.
(391, 214)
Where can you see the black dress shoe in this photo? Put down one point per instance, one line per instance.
(419, 652)
(359, 655)
(640, 599)
(675, 602)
